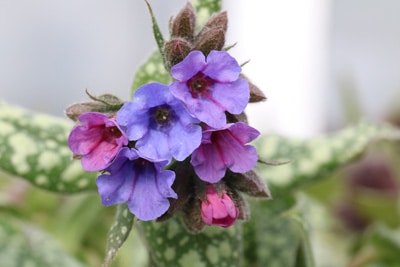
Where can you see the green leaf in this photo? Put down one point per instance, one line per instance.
(118, 233)
(205, 8)
(170, 244)
(270, 238)
(34, 146)
(23, 244)
(314, 159)
(380, 246)
(151, 71)
(275, 237)
(304, 253)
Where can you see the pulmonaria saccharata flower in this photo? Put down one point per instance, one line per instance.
(218, 209)
(160, 123)
(210, 85)
(225, 148)
(140, 182)
(96, 140)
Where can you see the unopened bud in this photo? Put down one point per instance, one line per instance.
(218, 20)
(175, 51)
(107, 104)
(183, 24)
(212, 39)
(218, 208)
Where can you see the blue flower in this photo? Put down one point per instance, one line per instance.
(159, 123)
(210, 86)
(140, 182)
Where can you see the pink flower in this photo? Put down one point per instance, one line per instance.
(225, 148)
(218, 210)
(97, 140)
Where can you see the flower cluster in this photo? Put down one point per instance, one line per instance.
(182, 146)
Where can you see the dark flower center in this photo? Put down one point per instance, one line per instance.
(112, 132)
(162, 114)
(141, 163)
(199, 84)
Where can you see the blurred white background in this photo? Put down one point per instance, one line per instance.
(303, 54)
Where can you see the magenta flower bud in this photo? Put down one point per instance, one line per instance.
(218, 210)
(96, 140)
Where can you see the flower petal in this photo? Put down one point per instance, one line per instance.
(225, 148)
(97, 140)
(222, 67)
(208, 164)
(232, 96)
(151, 95)
(141, 183)
(116, 186)
(154, 145)
(149, 199)
(187, 68)
(82, 140)
(134, 120)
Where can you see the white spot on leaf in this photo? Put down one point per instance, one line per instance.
(73, 171)
(41, 180)
(48, 160)
(23, 146)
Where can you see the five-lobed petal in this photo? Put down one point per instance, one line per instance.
(96, 139)
(159, 123)
(210, 86)
(163, 122)
(140, 182)
(223, 149)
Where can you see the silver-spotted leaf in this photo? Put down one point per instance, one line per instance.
(118, 233)
(314, 159)
(270, 239)
(34, 146)
(170, 244)
(23, 244)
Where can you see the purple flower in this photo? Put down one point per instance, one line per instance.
(160, 123)
(97, 140)
(138, 181)
(210, 86)
(218, 210)
(225, 148)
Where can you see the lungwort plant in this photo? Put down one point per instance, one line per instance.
(179, 161)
